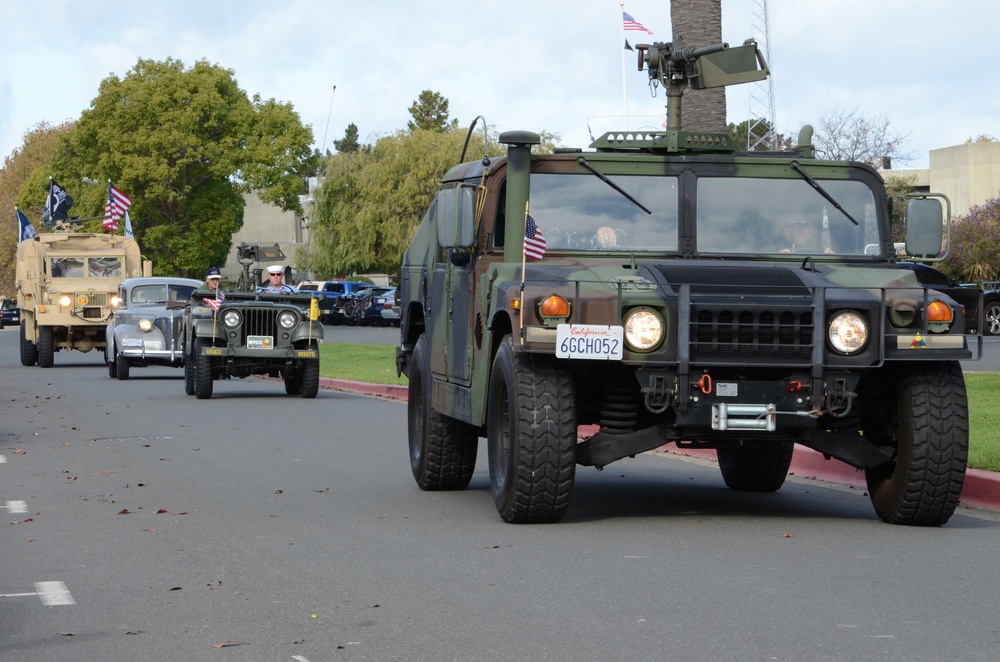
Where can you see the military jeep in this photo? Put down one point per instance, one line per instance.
(666, 288)
(245, 333)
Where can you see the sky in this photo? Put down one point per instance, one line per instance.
(928, 67)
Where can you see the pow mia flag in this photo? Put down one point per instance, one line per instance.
(57, 204)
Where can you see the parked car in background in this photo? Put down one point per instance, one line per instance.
(379, 299)
(331, 308)
(390, 309)
(148, 324)
(10, 314)
(967, 295)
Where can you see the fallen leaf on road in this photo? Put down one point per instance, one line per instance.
(787, 535)
(20, 451)
(217, 582)
(124, 511)
(162, 510)
(231, 642)
(134, 632)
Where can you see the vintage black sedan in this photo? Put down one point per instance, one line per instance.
(148, 324)
(966, 295)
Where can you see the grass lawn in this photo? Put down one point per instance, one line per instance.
(376, 364)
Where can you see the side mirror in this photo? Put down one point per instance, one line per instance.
(455, 217)
(925, 228)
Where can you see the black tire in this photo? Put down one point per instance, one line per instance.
(29, 351)
(531, 436)
(112, 366)
(202, 370)
(755, 469)
(189, 376)
(442, 449)
(926, 427)
(991, 319)
(293, 381)
(123, 366)
(46, 348)
(309, 376)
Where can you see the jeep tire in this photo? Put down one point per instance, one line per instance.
(29, 351)
(189, 376)
(309, 375)
(531, 436)
(926, 427)
(755, 468)
(442, 449)
(123, 366)
(202, 370)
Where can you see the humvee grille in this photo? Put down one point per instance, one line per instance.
(751, 333)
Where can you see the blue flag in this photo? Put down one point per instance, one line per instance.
(27, 230)
(57, 203)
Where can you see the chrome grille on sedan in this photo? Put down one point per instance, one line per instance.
(172, 328)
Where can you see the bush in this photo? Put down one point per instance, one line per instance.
(975, 244)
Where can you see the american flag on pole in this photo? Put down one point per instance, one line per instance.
(116, 205)
(214, 303)
(632, 24)
(534, 240)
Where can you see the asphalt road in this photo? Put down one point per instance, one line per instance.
(143, 524)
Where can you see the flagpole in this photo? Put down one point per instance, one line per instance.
(524, 255)
(624, 93)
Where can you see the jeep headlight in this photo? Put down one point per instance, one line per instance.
(287, 319)
(643, 329)
(847, 332)
(146, 325)
(231, 319)
(65, 300)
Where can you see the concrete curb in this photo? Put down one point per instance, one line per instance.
(981, 488)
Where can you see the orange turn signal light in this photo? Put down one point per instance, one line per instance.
(939, 311)
(554, 306)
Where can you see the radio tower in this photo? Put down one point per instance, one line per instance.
(762, 133)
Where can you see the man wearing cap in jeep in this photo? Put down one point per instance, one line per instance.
(274, 284)
(213, 278)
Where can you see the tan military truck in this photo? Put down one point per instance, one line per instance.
(66, 283)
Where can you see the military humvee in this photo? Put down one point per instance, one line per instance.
(667, 288)
(66, 283)
(246, 334)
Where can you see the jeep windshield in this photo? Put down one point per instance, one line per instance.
(753, 216)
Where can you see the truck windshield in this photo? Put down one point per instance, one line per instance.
(581, 212)
(766, 216)
(84, 267)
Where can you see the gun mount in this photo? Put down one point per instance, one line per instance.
(248, 254)
(676, 66)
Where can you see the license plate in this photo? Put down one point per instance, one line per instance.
(589, 341)
(260, 342)
(131, 342)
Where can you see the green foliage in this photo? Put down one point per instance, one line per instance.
(430, 113)
(740, 133)
(349, 143)
(370, 203)
(898, 187)
(185, 145)
(975, 244)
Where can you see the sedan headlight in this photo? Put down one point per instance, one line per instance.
(643, 329)
(847, 332)
(287, 319)
(231, 319)
(146, 325)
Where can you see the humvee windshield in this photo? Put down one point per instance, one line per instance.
(83, 267)
(735, 215)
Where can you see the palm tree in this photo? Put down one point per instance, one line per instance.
(699, 23)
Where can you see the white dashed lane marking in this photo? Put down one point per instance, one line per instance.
(50, 593)
(16, 507)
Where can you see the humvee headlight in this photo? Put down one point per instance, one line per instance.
(643, 329)
(847, 332)
(65, 300)
(287, 319)
(231, 319)
(146, 325)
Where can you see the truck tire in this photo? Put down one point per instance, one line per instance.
(29, 351)
(123, 366)
(442, 449)
(309, 375)
(755, 469)
(189, 376)
(202, 370)
(926, 427)
(46, 350)
(531, 436)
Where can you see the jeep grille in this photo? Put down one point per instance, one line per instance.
(260, 322)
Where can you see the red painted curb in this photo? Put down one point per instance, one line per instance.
(981, 488)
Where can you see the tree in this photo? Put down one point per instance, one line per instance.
(33, 156)
(739, 133)
(430, 113)
(699, 23)
(975, 244)
(186, 144)
(349, 143)
(850, 136)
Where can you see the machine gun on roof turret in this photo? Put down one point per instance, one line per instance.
(676, 66)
